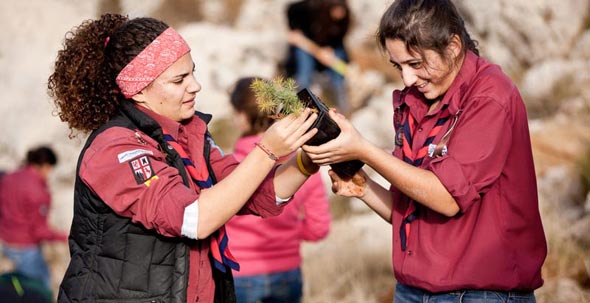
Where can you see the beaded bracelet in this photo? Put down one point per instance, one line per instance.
(267, 151)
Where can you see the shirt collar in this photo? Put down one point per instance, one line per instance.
(458, 89)
(172, 127)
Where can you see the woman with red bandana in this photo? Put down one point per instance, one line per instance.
(153, 191)
(463, 197)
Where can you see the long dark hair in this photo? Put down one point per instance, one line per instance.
(243, 100)
(83, 83)
(425, 24)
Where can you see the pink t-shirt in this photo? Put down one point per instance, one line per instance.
(497, 240)
(271, 245)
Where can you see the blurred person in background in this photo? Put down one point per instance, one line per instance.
(269, 248)
(153, 191)
(317, 29)
(463, 198)
(25, 201)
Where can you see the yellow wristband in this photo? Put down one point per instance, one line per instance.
(300, 164)
(340, 67)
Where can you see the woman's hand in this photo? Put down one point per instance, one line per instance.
(353, 187)
(326, 56)
(289, 133)
(347, 146)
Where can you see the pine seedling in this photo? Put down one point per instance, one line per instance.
(277, 97)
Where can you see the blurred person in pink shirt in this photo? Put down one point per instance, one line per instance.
(269, 249)
(25, 200)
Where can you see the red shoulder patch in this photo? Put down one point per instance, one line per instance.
(142, 169)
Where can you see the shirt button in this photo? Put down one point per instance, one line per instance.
(409, 252)
(420, 129)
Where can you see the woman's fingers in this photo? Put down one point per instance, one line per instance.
(339, 118)
(289, 133)
(291, 123)
(335, 181)
(354, 187)
(293, 127)
(345, 147)
(299, 128)
(304, 133)
(321, 158)
(327, 153)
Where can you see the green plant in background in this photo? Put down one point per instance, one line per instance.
(277, 97)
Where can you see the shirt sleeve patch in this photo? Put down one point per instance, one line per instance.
(130, 154)
(142, 169)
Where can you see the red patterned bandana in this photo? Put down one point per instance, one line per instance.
(168, 47)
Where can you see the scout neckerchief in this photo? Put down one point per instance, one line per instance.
(416, 159)
(219, 239)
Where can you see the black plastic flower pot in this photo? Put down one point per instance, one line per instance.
(327, 130)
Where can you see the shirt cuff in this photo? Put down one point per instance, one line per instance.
(450, 174)
(280, 201)
(190, 221)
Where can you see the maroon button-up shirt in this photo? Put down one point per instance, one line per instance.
(25, 201)
(497, 240)
(159, 203)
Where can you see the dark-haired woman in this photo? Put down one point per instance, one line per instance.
(271, 261)
(463, 197)
(153, 191)
(25, 201)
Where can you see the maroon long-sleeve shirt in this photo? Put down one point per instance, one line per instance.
(497, 240)
(25, 201)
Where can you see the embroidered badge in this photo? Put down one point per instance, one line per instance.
(130, 154)
(142, 169)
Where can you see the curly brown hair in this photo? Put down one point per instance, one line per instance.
(83, 83)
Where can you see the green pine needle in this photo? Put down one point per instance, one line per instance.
(277, 97)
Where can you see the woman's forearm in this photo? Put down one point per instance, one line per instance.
(419, 184)
(379, 199)
(234, 191)
(288, 179)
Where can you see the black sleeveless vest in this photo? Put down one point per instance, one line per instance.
(116, 260)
